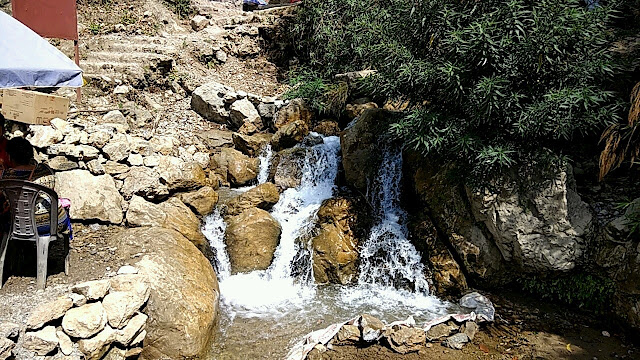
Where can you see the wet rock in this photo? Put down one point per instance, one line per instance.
(348, 333)
(50, 311)
(441, 331)
(406, 339)
(361, 149)
(6, 348)
(84, 321)
(203, 201)
(66, 345)
(9, 331)
(370, 327)
(243, 112)
(43, 136)
(92, 290)
(251, 238)
(286, 167)
(181, 324)
(335, 247)
(143, 181)
(41, 342)
(93, 197)
(263, 196)
(289, 135)
(456, 341)
(327, 128)
(294, 111)
(236, 167)
(470, 328)
(209, 101)
(358, 107)
(251, 145)
(480, 304)
(199, 22)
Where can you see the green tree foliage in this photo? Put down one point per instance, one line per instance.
(494, 84)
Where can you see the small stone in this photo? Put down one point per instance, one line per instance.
(135, 160)
(606, 334)
(470, 329)
(48, 312)
(77, 299)
(127, 269)
(441, 331)
(199, 22)
(456, 341)
(134, 327)
(147, 14)
(140, 338)
(151, 161)
(61, 163)
(348, 333)
(406, 339)
(66, 345)
(221, 56)
(121, 305)
(92, 290)
(9, 330)
(371, 327)
(121, 90)
(119, 28)
(85, 321)
(98, 345)
(133, 352)
(41, 342)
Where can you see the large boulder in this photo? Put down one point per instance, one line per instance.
(210, 101)
(341, 224)
(361, 149)
(251, 238)
(92, 197)
(263, 196)
(293, 111)
(203, 201)
(236, 167)
(142, 181)
(178, 174)
(184, 298)
(171, 214)
(251, 145)
(290, 135)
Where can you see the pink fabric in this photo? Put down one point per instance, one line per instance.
(66, 203)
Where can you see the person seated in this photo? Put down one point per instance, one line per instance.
(22, 166)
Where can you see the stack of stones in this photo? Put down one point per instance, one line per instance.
(100, 318)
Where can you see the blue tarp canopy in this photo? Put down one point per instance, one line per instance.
(26, 59)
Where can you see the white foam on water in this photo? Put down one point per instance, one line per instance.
(265, 157)
(213, 229)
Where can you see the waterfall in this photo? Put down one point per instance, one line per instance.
(388, 258)
(265, 163)
(213, 229)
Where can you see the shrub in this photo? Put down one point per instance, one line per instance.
(587, 292)
(495, 85)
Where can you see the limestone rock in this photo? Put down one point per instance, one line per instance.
(66, 345)
(202, 158)
(215, 139)
(236, 167)
(267, 110)
(251, 238)
(340, 225)
(182, 308)
(456, 341)
(92, 290)
(127, 270)
(120, 306)
(115, 117)
(48, 312)
(118, 148)
(114, 168)
(251, 145)
(295, 110)
(199, 22)
(132, 330)
(163, 144)
(43, 136)
(289, 135)
(370, 327)
(61, 163)
(6, 348)
(406, 339)
(327, 128)
(135, 160)
(41, 342)
(84, 321)
(94, 348)
(9, 331)
(286, 167)
(209, 100)
(145, 182)
(263, 196)
(203, 201)
(179, 175)
(348, 333)
(99, 139)
(77, 299)
(358, 107)
(93, 197)
(144, 213)
(470, 328)
(441, 331)
(242, 111)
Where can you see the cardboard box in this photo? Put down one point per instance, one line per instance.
(32, 107)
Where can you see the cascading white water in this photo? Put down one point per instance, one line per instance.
(284, 297)
(265, 163)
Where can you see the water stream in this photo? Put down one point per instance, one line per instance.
(265, 312)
